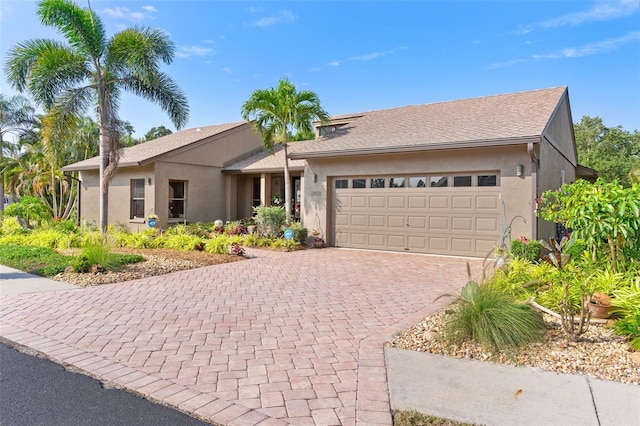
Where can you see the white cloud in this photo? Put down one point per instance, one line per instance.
(189, 51)
(602, 10)
(125, 13)
(283, 17)
(497, 65)
(254, 9)
(364, 57)
(592, 48)
(227, 70)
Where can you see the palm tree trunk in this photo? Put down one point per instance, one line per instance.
(104, 185)
(287, 187)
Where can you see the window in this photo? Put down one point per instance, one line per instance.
(462, 181)
(177, 198)
(342, 183)
(377, 183)
(438, 181)
(417, 182)
(487, 180)
(137, 199)
(325, 130)
(396, 182)
(358, 183)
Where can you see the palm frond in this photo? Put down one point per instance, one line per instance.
(83, 28)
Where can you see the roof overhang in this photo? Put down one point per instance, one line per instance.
(417, 148)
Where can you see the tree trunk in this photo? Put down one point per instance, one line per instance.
(104, 184)
(287, 187)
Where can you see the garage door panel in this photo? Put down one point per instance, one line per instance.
(397, 202)
(358, 201)
(484, 246)
(486, 224)
(461, 202)
(487, 202)
(439, 223)
(462, 224)
(439, 202)
(459, 221)
(396, 242)
(377, 220)
(397, 222)
(417, 202)
(377, 202)
(342, 219)
(417, 223)
(417, 243)
(377, 240)
(358, 238)
(358, 220)
(438, 244)
(461, 245)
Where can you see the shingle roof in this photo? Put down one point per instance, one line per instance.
(148, 151)
(266, 162)
(475, 121)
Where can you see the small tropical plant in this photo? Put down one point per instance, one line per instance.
(523, 248)
(493, 319)
(270, 220)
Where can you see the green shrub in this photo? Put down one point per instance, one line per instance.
(31, 209)
(493, 319)
(630, 326)
(96, 253)
(11, 226)
(270, 220)
(184, 242)
(219, 244)
(300, 233)
(519, 279)
(35, 260)
(528, 250)
(51, 237)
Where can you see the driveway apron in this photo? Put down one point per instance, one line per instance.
(284, 338)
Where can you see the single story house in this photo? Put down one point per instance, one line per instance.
(452, 178)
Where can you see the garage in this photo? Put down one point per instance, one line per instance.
(456, 214)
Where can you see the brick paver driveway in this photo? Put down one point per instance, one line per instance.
(282, 338)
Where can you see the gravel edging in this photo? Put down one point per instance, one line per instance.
(599, 354)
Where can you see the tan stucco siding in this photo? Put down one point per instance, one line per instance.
(559, 132)
(206, 191)
(554, 170)
(516, 191)
(217, 150)
(119, 196)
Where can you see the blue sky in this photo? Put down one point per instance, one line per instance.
(368, 55)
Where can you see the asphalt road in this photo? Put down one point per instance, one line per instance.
(36, 391)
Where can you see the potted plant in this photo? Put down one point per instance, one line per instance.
(600, 305)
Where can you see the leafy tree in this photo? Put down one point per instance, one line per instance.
(16, 117)
(278, 112)
(156, 132)
(92, 71)
(613, 152)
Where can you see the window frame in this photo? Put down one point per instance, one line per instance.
(184, 183)
(133, 199)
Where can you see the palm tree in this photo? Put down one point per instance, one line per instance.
(16, 117)
(276, 114)
(92, 71)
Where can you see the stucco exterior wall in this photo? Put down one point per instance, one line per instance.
(558, 160)
(119, 196)
(517, 191)
(205, 195)
(219, 149)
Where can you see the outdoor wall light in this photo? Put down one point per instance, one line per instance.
(149, 181)
(519, 170)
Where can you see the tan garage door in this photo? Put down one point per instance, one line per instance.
(423, 219)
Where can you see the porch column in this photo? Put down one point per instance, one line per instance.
(265, 189)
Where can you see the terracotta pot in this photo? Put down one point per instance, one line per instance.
(600, 311)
